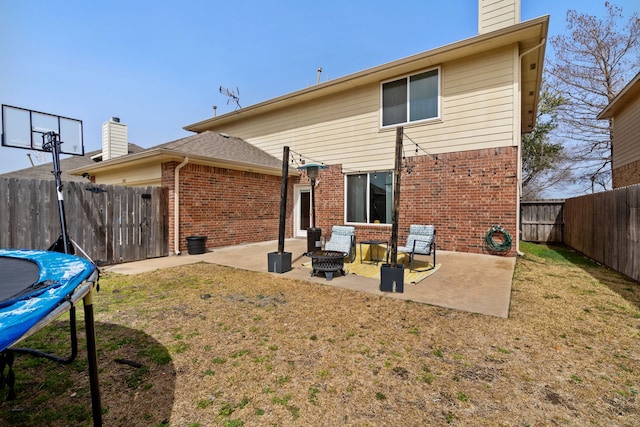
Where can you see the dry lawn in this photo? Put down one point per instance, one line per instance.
(219, 346)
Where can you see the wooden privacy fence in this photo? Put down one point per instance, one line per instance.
(606, 227)
(112, 224)
(542, 220)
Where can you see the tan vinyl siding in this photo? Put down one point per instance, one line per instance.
(477, 108)
(114, 140)
(141, 175)
(496, 14)
(626, 136)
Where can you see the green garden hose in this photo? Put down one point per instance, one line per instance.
(501, 246)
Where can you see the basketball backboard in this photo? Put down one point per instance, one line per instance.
(22, 128)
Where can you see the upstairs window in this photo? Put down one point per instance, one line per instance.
(411, 98)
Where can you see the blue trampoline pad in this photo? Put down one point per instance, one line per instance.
(32, 284)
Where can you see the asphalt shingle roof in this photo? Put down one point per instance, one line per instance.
(207, 144)
(222, 147)
(44, 171)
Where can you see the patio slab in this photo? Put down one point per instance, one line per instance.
(468, 282)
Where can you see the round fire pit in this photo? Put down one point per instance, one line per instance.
(327, 262)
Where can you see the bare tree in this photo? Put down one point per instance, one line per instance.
(544, 164)
(592, 63)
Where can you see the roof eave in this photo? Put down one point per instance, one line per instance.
(162, 155)
(630, 92)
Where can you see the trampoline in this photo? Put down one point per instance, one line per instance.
(36, 287)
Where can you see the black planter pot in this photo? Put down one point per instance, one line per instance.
(392, 278)
(279, 262)
(196, 245)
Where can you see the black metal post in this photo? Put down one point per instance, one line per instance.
(53, 144)
(313, 203)
(92, 358)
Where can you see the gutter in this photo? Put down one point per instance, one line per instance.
(176, 205)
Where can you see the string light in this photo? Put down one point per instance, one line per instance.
(407, 163)
(301, 159)
(436, 158)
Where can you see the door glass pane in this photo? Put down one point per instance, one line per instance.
(305, 210)
(380, 201)
(356, 198)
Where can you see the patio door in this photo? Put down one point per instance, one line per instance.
(302, 210)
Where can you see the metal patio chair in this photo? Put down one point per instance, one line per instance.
(422, 241)
(343, 239)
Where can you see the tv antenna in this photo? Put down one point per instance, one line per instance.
(234, 96)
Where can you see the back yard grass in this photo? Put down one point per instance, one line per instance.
(207, 345)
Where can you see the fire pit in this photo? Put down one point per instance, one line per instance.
(328, 262)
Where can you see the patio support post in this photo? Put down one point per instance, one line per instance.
(283, 198)
(280, 261)
(396, 198)
(392, 275)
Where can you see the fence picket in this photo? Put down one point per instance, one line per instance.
(103, 220)
(542, 220)
(606, 228)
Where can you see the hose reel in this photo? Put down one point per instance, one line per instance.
(503, 243)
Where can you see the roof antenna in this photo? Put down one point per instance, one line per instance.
(319, 72)
(233, 96)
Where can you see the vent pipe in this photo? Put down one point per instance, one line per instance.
(319, 73)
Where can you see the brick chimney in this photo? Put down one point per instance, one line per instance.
(496, 14)
(114, 139)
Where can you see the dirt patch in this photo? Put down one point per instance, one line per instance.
(221, 346)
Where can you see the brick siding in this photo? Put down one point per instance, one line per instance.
(230, 207)
(628, 174)
(462, 194)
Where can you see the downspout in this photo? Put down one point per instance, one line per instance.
(519, 139)
(176, 206)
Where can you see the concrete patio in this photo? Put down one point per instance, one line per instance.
(467, 282)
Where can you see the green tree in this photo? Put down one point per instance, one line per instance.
(591, 64)
(543, 160)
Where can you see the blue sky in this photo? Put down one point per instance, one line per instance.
(157, 65)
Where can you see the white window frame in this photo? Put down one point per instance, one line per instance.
(408, 112)
(367, 198)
